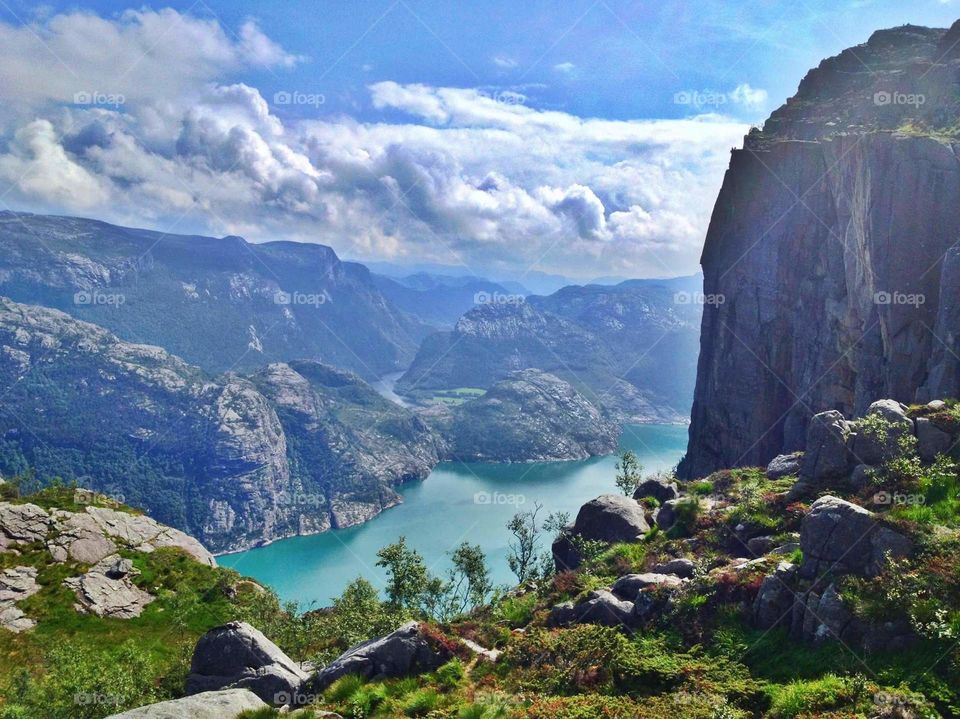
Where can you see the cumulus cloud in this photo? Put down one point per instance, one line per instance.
(749, 97)
(470, 176)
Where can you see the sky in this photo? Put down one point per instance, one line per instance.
(584, 137)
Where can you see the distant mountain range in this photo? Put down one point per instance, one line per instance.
(439, 300)
(631, 349)
(222, 304)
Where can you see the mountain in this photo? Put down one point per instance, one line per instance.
(528, 416)
(630, 349)
(437, 300)
(295, 449)
(832, 244)
(222, 304)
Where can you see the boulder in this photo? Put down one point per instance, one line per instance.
(565, 554)
(80, 538)
(236, 655)
(600, 607)
(660, 489)
(683, 568)
(861, 478)
(873, 448)
(106, 592)
(611, 518)
(773, 604)
(785, 465)
(819, 617)
(562, 614)
(225, 704)
(16, 584)
(843, 538)
(22, 523)
(826, 457)
(931, 440)
(608, 518)
(759, 546)
(404, 652)
(666, 516)
(630, 585)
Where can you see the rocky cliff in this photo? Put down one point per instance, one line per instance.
(528, 416)
(235, 461)
(629, 349)
(831, 252)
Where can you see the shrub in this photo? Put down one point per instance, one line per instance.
(806, 697)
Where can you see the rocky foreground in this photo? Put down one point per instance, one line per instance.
(826, 584)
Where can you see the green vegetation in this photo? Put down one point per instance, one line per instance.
(696, 657)
(453, 397)
(629, 473)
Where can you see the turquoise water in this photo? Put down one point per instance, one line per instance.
(456, 503)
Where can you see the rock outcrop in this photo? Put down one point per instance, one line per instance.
(238, 656)
(16, 584)
(832, 246)
(403, 652)
(608, 518)
(528, 416)
(107, 590)
(226, 704)
(840, 537)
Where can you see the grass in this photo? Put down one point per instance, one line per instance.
(455, 397)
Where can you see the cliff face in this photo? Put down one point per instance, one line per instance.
(832, 247)
(294, 449)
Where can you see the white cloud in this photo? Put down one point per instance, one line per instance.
(752, 98)
(564, 67)
(504, 62)
(470, 176)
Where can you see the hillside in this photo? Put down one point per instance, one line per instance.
(832, 243)
(238, 305)
(629, 348)
(824, 585)
(295, 449)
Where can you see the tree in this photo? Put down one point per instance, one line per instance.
(469, 582)
(629, 473)
(407, 575)
(522, 549)
(359, 614)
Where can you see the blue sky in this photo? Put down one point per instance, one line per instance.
(579, 137)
